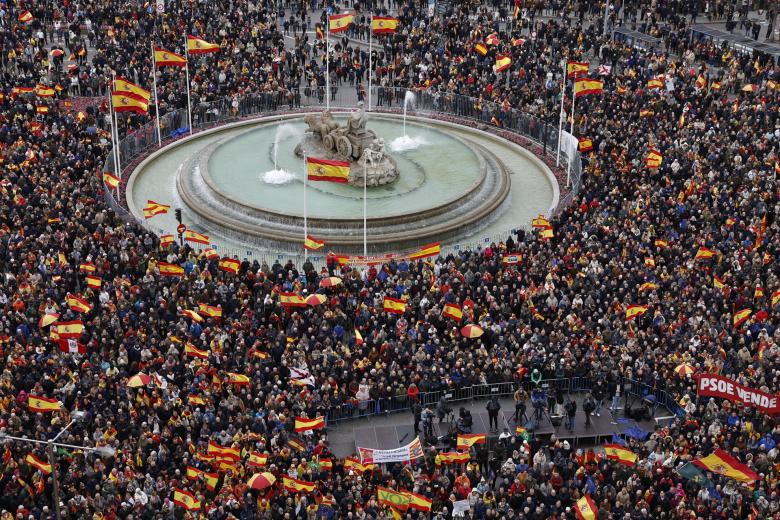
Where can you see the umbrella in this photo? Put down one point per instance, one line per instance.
(316, 299)
(471, 331)
(261, 480)
(57, 52)
(47, 319)
(330, 281)
(138, 380)
(684, 369)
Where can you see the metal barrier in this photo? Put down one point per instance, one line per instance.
(356, 408)
(525, 129)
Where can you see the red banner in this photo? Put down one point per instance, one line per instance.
(719, 386)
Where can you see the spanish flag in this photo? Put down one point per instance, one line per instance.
(717, 282)
(167, 269)
(166, 240)
(68, 329)
(340, 22)
(236, 379)
(654, 158)
(466, 441)
(210, 478)
(325, 464)
(153, 208)
(163, 58)
(358, 337)
(354, 464)
(94, 282)
(649, 261)
(585, 144)
(453, 311)
(646, 112)
(453, 457)
(123, 85)
(291, 300)
(384, 24)
(540, 222)
(210, 310)
(129, 102)
(25, 17)
(38, 463)
(42, 404)
(620, 454)
(302, 424)
(296, 444)
(320, 31)
(296, 486)
(227, 453)
(231, 265)
(44, 91)
(701, 82)
(481, 48)
(197, 46)
(311, 244)
(42, 109)
(394, 499)
(585, 86)
(427, 251)
(503, 62)
(257, 459)
(655, 83)
(724, 464)
(196, 400)
(419, 502)
(648, 286)
(546, 233)
(191, 315)
(326, 170)
(111, 180)
(575, 68)
(185, 499)
(191, 350)
(632, 311)
(77, 303)
(394, 306)
(198, 238)
(741, 317)
(703, 253)
(775, 297)
(586, 509)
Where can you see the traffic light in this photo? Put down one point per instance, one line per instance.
(177, 212)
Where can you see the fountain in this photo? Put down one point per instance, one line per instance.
(405, 142)
(277, 176)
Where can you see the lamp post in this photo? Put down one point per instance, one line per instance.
(103, 451)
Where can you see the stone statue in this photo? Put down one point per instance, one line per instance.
(358, 119)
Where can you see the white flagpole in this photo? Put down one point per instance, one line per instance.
(365, 212)
(560, 115)
(189, 106)
(117, 169)
(573, 99)
(370, 40)
(327, 63)
(156, 101)
(305, 224)
(115, 124)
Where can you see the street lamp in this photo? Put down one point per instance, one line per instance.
(102, 451)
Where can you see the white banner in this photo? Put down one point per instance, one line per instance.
(410, 451)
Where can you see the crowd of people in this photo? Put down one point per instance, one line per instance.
(630, 237)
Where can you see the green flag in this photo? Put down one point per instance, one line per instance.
(691, 472)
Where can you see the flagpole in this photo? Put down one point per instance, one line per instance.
(365, 212)
(115, 125)
(560, 114)
(327, 64)
(187, 65)
(370, 40)
(305, 224)
(573, 99)
(156, 101)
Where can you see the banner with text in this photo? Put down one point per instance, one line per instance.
(410, 451)
(718, 386)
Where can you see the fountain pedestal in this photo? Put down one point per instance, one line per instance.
(353, 143)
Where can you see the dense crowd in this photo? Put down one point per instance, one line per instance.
(629, 237)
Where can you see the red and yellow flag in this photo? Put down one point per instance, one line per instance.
(633, 311)
(185, 499)
(302, 424)
(25, 17)
(153, 208)
(427, 251)
(166, 240)
(45, 467)
(724, 464)
(44, 91)
(237, 379)
(291, 300)
(210, 310)
(703, 253)
(167, 269)
(503, 62)
(340, 22)
(481, 48)
(231, 265)
(701, 81)
(620, 454)
(453, 311)
(354, 464)
(511, 259)
(393, 305)
(453, 457)
(466, 441)
(419, 502)
(775, 297)
(384, 24)
(111, 180)
(77, 303)
(741, 317)
(655, 83)
(197, 46)
(198, 238)
(576, 68)
(68, 329)
(586, 509)
(191, 350)
(163, 58)
(585, 86)
(585, 144)
(210, 478)
(654, 159)
(717, 282)
(94, 282)
(221, 451)
(123, 85)
(312, 244)
(327, 170)
(296, 486)
(395, 499)
(42, 404)
(257, 459)
(129, 102)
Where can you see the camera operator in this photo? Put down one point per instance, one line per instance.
(427, 421)
(442, 410)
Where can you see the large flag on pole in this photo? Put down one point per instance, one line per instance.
(384, 24)
(584, 86)
(163, 58)
(129, 102)
(123, 85)
(197, 46)
(340, 22)
(327, 170)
